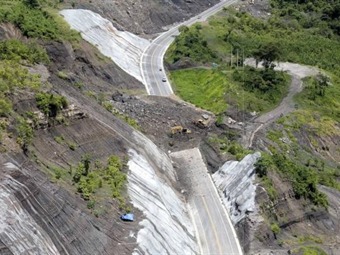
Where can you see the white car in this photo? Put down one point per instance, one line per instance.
(164, 79)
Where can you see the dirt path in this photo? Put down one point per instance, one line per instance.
(297, 72)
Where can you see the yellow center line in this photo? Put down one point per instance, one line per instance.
(213, 226)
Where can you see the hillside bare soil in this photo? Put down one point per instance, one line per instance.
(143, 17)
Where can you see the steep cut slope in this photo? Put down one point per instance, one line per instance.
(143, 17)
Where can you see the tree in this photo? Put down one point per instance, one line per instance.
(262, 165)
(32, 3)
(267, 53)
(322, 82)
(86, 161)
(183, 29)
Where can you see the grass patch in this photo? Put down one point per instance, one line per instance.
(309, 250)
(215, 89)
(204, 88)
(326, 105)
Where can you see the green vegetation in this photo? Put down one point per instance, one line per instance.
(191, 44)
(62, 75)
(304, 179)
(321, 98)
(36, 20)
(305, 32)
(50, 104)
(227, 144)
(25, 134)
(309, 250)
(308, 238)
(321, 17)
(247, 89)
(109, 107)
(90, 179)
(16, 79)
(237, 33)
(204, 88)
(233, 35)
(61, 140)
(16, 50)
(275, 228)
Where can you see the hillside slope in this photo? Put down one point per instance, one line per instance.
(143, 17)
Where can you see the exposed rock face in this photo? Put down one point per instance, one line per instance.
(18, 230)
(38, 217)
(235, 181)
(144, 16)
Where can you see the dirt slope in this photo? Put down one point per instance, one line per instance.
(143, 16)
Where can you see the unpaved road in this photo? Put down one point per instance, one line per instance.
(297, 72)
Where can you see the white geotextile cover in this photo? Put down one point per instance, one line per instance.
(124, 48)
(234, 180)
(166, 228)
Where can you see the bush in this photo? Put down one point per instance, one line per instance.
(25, 133)
(91, 204)
(5, 107)
(89, 180)
(36, 21)
(275, 228)
(263, 164)
(16, 50)
(13, 76)
(50, 104)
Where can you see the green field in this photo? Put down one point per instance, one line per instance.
(215, 89)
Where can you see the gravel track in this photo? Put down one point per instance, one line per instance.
(287, 105)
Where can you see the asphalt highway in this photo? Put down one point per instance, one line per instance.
(214, 229)
(151, 64)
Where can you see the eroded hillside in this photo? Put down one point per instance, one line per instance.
(143, 17)
(66, 151)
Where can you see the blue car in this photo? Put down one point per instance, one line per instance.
(127, 217)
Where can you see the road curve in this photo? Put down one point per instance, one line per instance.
(287, 105)
(151, 64)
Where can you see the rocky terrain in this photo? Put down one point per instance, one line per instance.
(143, 17)
(49, 207)
(54, 215)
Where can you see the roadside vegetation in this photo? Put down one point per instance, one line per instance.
(230, 36)
(36, 19)
(206, 69)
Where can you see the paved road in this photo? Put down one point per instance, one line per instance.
(152, 58)
(215, 232)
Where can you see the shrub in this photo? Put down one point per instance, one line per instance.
(91, 204)
(50, 104)
(25, 133)
(275, 228)
(5, 107)
(14, 49)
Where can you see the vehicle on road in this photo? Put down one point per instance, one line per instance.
(164, 79)
(160, 69)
